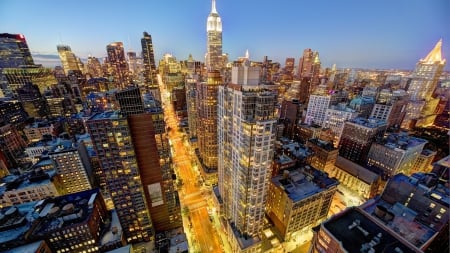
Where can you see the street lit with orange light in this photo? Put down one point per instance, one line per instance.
(197, 221)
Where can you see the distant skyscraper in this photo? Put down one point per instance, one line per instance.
(309, 65)
(420, 110)
(93, 67)
(150, 72)
(112, 138)
(117, 64)
(207, 119)
(214, 41)
(68, 59)
(14, 51)
(246, 137)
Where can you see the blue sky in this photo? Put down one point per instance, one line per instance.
(350, 33)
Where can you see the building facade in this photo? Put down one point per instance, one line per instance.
(112, 139)
(246, 128)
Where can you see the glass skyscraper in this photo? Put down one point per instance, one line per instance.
(14, 51)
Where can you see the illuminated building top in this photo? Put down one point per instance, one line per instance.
(435, 55)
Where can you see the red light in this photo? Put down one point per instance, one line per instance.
(21, 36)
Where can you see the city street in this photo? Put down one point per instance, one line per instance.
(201, 234)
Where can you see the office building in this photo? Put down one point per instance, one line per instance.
(191, 84)
(299, 199)
(14, 51)
(316, 110)
(33, 101)
(11, 144)
(335, 118)
(324, 154)
(391, 110)
(423, 163)
(309, 66)
(207, 116)
(214, 40)
(423, 84)
(246, 136)
(151, 148)
(117, 64)
(111, 136)
(94, 67)
(396, 153)
(12, 113)
(150, 71)
(357, 137)
(68, 59)
(73, 168)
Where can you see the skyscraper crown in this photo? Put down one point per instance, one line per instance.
(435, 55)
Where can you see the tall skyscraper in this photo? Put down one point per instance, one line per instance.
(68, 59)
(207, 119)
(151, 148)
(14, 51)
(93, 67)
(117, 64)
(246, 136)
(214, 40)
(112, 138)
(420, 110)
(150, 72)
(191, 84)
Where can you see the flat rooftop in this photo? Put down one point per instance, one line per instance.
(403, 141)
(403, 222)
(106, 115)
(63, 211)
(304, 182)
(355, 229)
(356, 170)
(370, 123)
(15, 224)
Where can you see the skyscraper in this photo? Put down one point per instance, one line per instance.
(150, 72)
(207, 120)
(68, 59)
(420, 110)
(14, 51)
(117, 64)
(246, 137)
(214, 40)
(150, 144)
(111, 135)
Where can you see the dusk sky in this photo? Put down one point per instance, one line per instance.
(351, 33)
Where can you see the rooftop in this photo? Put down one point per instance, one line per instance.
(358, 231)
(106, 115)
(31, 179)
(14, 223)
(304, 182)
(328, 146)
(370, 123)
(401, 220)
(59, 212)
(356, 170)
(402, 141)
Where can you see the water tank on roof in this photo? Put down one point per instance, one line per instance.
(68, 208)
(13, 210)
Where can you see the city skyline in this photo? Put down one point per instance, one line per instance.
(351, 34)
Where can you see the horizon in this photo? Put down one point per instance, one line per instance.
(381, 35)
